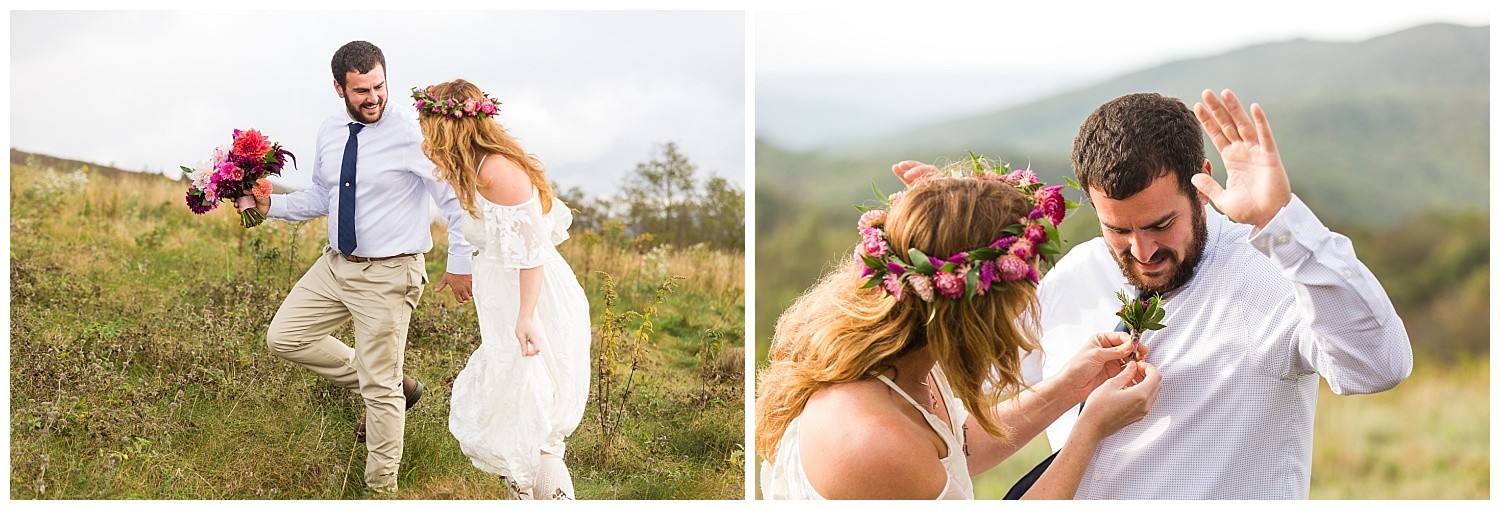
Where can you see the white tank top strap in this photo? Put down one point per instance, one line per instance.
(892, 384)
(944, 433)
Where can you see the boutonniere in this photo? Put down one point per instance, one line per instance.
(1140, 315)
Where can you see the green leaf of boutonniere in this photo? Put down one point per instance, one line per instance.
(1141, 315)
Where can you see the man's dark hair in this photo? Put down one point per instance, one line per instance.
(1135, 138)
(357, 56)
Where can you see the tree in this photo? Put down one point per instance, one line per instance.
(723, 213)
(662, 202)
(588, 214)
(659, 197)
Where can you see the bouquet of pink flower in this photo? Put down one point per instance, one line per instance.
(237, 171)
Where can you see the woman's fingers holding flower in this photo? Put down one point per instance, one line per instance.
(1123, 399)
(1116, 346)
(1148, 382)
(1096, 363)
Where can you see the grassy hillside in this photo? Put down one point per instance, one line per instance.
(139, 369)
(1355, 121)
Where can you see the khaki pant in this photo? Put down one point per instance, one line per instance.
(379, 296)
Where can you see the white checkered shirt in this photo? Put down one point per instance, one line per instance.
(1245, 342)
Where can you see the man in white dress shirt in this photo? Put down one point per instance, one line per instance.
(1260, 302)
(373, 182)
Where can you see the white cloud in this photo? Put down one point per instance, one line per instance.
(158, 89)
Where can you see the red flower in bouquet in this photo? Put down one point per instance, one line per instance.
(239, 171)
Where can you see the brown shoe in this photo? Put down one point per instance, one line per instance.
(411, 388)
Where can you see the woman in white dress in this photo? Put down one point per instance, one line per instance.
(524, 389)
(898, 374)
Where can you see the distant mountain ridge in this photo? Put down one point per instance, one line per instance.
(1372, 132)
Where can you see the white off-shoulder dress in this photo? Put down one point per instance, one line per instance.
(507, 409)
(787, 479)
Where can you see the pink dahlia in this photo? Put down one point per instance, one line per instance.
(251, 144)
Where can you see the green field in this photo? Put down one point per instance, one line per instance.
(139, 369)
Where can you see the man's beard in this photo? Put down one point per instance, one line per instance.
(356, 113)
(1182, 269)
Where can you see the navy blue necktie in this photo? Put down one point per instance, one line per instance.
(346, 191)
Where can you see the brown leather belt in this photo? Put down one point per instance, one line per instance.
(355, 258)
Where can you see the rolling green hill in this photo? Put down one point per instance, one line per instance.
(1385, 139)
(1355, 122)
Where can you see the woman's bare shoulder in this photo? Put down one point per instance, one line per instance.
(858, 444)
(503, 182)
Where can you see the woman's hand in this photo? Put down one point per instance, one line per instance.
(1123, 399)
(530, 337)
(912, 171)
(1102, 358)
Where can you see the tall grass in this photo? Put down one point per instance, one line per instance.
(139, 368)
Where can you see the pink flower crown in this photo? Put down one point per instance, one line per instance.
(1011, 258)
(453, 107)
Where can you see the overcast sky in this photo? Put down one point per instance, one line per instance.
(591, 93)
(1065, 36)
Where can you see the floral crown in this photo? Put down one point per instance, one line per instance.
(453, 107)
(1011, 258)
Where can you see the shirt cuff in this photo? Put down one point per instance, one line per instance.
(277, 209)
(1291, 235)
(460, 264)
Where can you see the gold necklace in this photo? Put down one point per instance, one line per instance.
(931, 394)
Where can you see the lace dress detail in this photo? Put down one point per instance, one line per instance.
(507, 409)
(787, 479)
